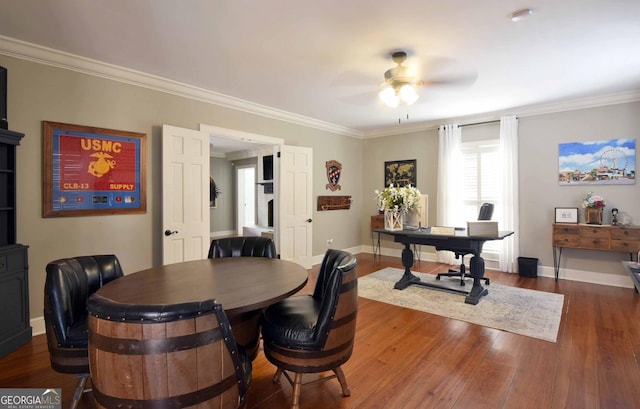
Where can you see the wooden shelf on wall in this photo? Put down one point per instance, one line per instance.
(334, 203)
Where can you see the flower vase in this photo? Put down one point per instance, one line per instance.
(593, 215)
(393, 220)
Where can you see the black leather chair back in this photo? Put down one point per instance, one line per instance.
(486, 211)
(315, 333)
(253, 246)
(68, 285)
(307, 321)
(337, 285)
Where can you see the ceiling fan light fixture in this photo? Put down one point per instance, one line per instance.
(408, 94)
(389, 96)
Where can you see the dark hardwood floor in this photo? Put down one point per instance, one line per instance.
(409, 359)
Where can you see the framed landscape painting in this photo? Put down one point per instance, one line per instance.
(606, 162)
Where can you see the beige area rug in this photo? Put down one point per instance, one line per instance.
(521, 311)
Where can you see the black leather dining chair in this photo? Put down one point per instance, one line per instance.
(485, 213)
(68, 285)
(250, 246)
(315, 333)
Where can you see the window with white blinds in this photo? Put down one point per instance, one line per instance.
(481, 167)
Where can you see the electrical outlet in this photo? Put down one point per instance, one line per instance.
(329, 242)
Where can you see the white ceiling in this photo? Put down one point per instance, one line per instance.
(325, 59)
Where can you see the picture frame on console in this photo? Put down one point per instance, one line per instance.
(567, 215)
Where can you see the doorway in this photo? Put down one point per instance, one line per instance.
(246, 197)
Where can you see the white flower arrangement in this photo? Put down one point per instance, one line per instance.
(399, 199)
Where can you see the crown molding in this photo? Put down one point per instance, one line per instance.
(43, 55)
(521, 112)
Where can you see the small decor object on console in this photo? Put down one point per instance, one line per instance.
(396, 202)
(593, 206)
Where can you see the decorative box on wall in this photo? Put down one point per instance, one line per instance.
(333, 203)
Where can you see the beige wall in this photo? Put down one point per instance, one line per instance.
(421, 146)
(540, 192)
(39, 92)
(222, 217)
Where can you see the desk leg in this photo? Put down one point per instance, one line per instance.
(557, 255)
(407, 261)
(477, 272)
(375, 245)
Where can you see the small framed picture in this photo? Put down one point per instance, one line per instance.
(566, 215)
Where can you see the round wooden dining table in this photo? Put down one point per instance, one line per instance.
(243, 285)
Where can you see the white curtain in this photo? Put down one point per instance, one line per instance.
(449, 182)
(509, 181)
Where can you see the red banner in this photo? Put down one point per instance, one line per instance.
(97, 164)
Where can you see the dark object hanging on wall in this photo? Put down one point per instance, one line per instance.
(334, 169)
(334, 203)
(400, 173)
(213, 191)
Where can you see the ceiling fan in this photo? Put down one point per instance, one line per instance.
(400, 86)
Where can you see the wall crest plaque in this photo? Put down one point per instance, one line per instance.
(334, 169)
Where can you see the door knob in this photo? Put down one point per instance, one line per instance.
(169, 232)
(309, 220)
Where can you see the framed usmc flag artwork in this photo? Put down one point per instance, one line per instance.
(92, 171)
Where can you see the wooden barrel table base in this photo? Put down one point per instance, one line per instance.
(173, 363)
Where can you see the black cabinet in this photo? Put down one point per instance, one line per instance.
(14, 268)
(8, 142)
(14, 298)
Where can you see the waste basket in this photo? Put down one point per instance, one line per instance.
(528, 267)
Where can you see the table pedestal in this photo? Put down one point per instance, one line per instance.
(477, 272)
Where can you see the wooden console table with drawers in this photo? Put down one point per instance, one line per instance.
(622, 239)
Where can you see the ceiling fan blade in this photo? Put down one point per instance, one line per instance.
(459, 80)
(361, 99)
(354, 78)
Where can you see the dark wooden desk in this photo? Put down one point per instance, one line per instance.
(243, 285)
(460, 242)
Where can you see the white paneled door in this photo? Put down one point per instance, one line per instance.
(185, 188)
(296, 204)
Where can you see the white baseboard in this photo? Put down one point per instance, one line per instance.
(37, 326)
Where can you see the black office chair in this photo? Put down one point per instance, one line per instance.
(486, 212)
(68, 285)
